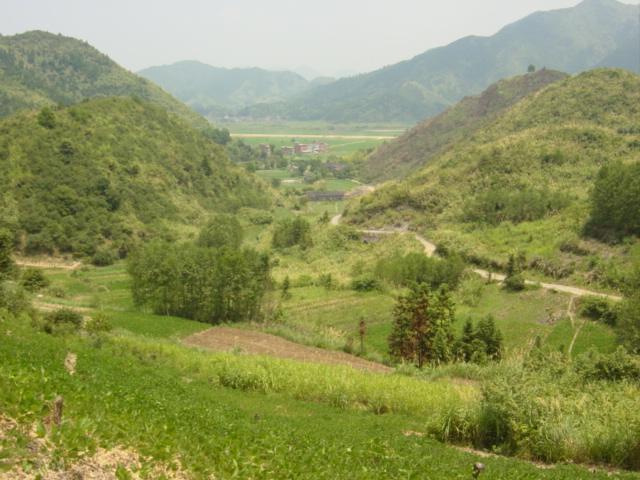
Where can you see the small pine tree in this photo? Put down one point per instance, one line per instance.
(531, 69)
(324, 219)
(514, 280)
(491, 337)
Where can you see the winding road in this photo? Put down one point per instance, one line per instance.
(430, 251)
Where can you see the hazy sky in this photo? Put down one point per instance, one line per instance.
(332, 36)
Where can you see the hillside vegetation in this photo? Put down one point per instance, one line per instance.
(39, 69)
(523, 182)
(112, 172)
(595, 33)
(425, 141)
(213, 91)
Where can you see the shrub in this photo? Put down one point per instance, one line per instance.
(365, 284)
(62, 321)
(416, 268)
(221, 231)
(103, 258)
(33, 280)
(615, 202)
(599, 309)
(289, 233)
(616, 366)
(99, 322)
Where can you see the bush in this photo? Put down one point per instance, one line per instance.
(612, 367)
(99, 322)
(221, 231)
(599, 309)
(33, 280)
(289, 233)
(416, 268)
(62, 321)
(515, 283)
(13, 298)
(365, 284)
(103, 258)
(615, 202)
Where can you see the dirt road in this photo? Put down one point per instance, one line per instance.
(224, 339)
(47, 263)
(430, 250)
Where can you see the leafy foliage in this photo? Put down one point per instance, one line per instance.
(204, 284)
(288, 233)
(416, 268)
(422, 332)
(112, 171)
(221, 231)
(33, 280)
(615, 202)
(7, 265)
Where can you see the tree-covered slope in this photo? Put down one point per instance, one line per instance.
(523, 181)
(595, 33)
(419, 145)
(111, 172)
(210, 89)
(39, 68)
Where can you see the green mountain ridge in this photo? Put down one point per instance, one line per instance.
(212, 90)
(522, 182)
(109, 173)
(595, 33)
(423, 142)
(39, 68)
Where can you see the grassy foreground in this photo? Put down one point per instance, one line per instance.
(184, 407)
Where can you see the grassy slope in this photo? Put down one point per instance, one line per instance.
(170, 405)
(430, 138)
(113, 170)
(557, 138)
(39, 68)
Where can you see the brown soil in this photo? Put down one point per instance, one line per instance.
(258, 343)
(102, 465)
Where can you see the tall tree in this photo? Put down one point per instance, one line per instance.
(422, 326)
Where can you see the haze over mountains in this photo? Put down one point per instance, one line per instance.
(595, 33)
(212, 90)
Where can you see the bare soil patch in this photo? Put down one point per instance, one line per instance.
(226, 339)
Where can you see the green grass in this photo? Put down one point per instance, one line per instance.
(215, 417)
(316, 128)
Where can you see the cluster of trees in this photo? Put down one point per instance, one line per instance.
(288, 233)
(499, 205)
(78, 177)
(416, 268)
(214, 281)
(615, 202)
(479, 343)
(423, 331)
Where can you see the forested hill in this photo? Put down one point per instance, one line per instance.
(595, 33)
(414, 149)
(39, 68)
(210, 90)
(110, 172)
(535, 165)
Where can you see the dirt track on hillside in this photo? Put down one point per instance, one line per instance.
(224, 339)
(430, 250)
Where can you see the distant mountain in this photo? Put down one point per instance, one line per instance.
(112, 172)
(211, 90)
(425, 141)
(39, 68)
(594, 33)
